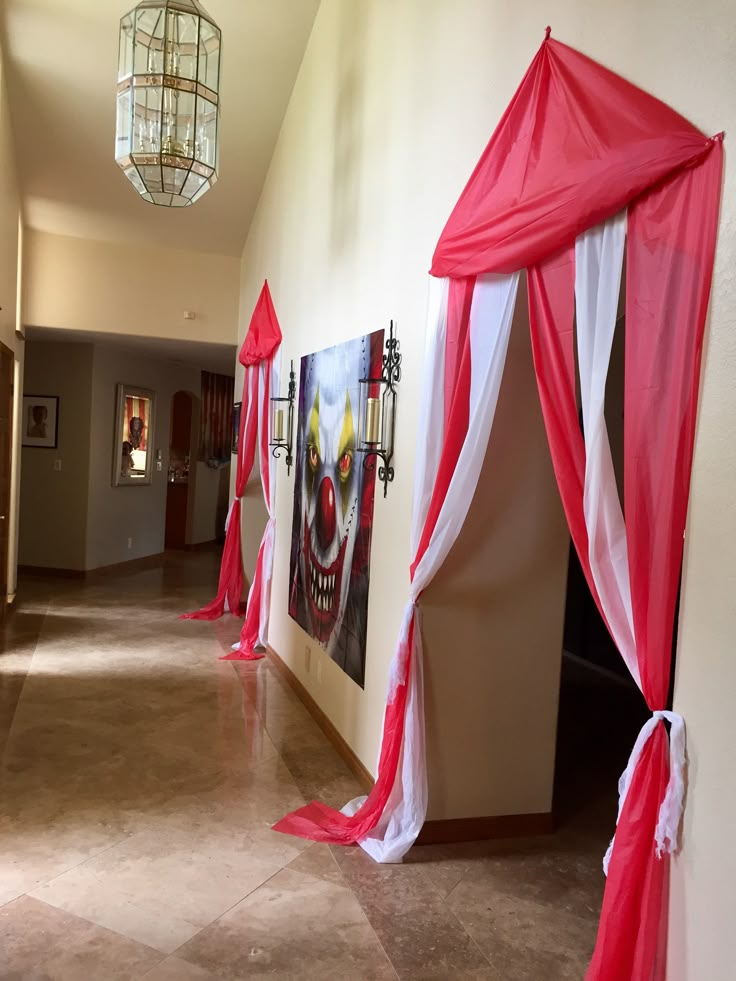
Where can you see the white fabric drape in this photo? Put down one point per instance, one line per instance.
(599, 255)
(491, 316)
(598, 264)
(269, 490)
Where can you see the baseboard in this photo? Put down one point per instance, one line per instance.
(361, 773)
(203, 546)
(132, 565)
(433, 832)
(42, 570)
(485, 828)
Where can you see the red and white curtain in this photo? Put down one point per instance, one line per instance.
(216, 418)
(255, 627)
(581, 164)
(467, 337)
(259, 357)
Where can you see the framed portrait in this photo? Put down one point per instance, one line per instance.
(41, 421)
(133, 439)
(236, 426)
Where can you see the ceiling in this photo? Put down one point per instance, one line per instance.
(61, 60)
(219, 358)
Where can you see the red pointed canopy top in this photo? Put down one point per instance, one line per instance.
(576, 144)
(264, 333)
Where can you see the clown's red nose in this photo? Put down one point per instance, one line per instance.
(326, 518)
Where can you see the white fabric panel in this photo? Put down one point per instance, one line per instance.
(598, 263)
(269, 535)
(491, 315)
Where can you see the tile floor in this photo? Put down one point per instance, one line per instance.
(140, 778)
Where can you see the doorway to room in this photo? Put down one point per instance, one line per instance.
(7, 367)
(179, 489)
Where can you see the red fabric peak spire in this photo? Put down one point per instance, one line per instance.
(264, 334)
(576, 144)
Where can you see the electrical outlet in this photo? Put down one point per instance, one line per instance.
(57, 464)
(308, 657)
(130, 543)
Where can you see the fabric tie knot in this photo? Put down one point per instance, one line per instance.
(547, 32)
(670, 810)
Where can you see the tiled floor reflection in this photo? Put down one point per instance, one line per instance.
(140, 778)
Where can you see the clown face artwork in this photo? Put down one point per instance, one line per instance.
(333, 503)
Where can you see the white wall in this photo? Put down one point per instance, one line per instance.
(53, 510)
(392, 107)
(81, 284)
(10, 267)
(209, 502)
(117, 514)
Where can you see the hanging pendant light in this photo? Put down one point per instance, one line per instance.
(167, 133)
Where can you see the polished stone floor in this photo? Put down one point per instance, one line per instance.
(140, 777)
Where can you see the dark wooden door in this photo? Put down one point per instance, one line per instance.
(7, 366)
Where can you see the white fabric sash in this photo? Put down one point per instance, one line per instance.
(598, 263)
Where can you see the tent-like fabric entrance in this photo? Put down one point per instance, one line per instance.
(259, 356)
(581, 164)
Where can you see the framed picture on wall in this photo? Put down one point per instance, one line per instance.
(132, 451)
(236, 426)
(41, 421)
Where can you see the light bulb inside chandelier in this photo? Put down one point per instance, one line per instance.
(167, 135)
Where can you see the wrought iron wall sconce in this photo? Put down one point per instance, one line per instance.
(282, 422)
(377, 416)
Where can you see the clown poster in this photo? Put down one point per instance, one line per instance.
(333, 503)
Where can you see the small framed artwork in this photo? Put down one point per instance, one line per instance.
(41, 421)
(236, 426)
(133, 451)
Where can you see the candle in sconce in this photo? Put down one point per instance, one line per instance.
(373, 421)
(279, 427)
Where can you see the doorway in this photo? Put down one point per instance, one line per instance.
(179, 491)
(7, 366)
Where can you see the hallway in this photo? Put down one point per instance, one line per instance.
(141, 775)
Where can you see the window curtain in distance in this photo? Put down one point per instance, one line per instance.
(216, 417)
(261, 342)
(576, 146)
(468, 331)
(255, 627)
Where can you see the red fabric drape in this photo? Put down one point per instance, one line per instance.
(261, 341)
(551, 287)
(671, 247)
(671, 244)
(249, 635)
(575, 145)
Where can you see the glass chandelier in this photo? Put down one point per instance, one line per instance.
(166, 140)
